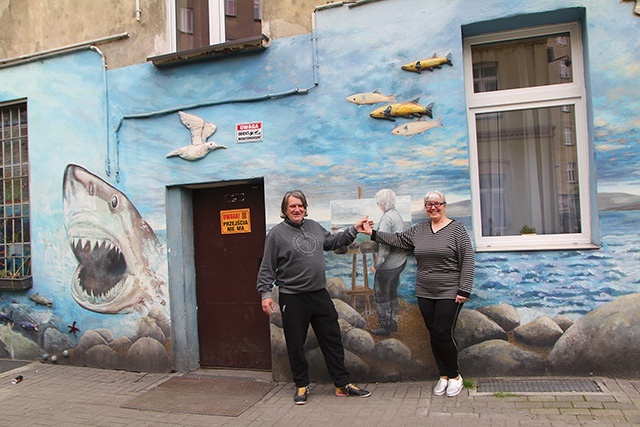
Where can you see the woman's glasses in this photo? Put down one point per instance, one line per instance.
(431, 205)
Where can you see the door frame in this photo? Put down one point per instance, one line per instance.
(183, 304)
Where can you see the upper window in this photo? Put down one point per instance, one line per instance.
(15, 235)
(230, 7)
(529, 145)
(202, 23)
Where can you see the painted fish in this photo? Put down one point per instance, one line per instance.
(113, 246)
(417, 126)
(428, 64)
(40, 300)
(5, 318)
(374, 97)
(402, 109)
(29, 326)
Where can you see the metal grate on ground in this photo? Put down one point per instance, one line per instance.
(539, 386)
(9, 364)
(220, 377)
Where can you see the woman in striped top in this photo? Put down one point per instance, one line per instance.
(444, 280)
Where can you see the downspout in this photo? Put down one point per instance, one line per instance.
(38, 56)
(18, 60)
(107, 160)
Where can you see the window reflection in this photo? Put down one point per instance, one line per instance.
(535, 61)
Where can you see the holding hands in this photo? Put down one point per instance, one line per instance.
(364, 225)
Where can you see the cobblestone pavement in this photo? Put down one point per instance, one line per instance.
(57, 395)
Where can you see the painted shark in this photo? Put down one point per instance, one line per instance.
(112, 244)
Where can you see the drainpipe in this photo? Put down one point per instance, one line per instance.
(107, 160)
(25, 59)
(138, 10)
(18, 60)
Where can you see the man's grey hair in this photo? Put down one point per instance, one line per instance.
(285, 201)
(434, 196)
(386, 198)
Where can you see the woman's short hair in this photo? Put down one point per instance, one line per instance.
(435, 195)
(285, 201)
(386, 198)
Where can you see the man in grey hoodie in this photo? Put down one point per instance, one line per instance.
(294, 261)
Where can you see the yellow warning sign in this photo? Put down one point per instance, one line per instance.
(235, 221)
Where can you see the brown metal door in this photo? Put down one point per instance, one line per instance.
(229, 234)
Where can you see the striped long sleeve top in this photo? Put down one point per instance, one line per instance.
(446, 262)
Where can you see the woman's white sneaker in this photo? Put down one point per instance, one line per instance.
(441, 387)
(454, 387)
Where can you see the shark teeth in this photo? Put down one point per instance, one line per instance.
(102, 271)
(101, 298)
(83, 247)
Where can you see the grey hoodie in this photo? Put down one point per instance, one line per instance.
(294, 256)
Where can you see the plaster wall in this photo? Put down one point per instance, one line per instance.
(35, 26)
(317, 141)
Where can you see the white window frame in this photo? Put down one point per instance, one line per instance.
(562, 94)
(217, 33)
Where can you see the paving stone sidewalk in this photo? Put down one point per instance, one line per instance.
(57, 395)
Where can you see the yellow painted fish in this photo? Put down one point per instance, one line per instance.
(402, 109)
(417, 126)
(428, 64)
(374, 97)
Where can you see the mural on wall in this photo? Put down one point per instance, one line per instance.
(374, 97)
(402, 109)
(113, 245)
(428, 64)
(417, 127)
(636, 9)
(530, 312)
(200, 132)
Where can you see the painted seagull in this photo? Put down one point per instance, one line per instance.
(200, 132)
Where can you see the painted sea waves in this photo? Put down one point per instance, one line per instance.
(572, 283)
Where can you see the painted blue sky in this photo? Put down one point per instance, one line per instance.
(332, 147)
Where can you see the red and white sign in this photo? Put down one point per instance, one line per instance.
(248, 132)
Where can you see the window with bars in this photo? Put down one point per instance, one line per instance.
(15, 235)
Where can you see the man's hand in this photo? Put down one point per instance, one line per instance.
(268, 306)
(364, 225)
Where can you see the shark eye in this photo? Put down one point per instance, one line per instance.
(114, 202)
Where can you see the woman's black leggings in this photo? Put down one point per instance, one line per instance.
(440, 317)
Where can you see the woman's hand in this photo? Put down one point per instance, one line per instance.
(461, 300)
(365, 225)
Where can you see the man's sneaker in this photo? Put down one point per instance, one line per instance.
(440, 387)
(454, 387)
(352, 390)
(300, 398)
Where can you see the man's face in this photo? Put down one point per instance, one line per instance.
(295, 210)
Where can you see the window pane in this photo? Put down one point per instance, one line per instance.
(535, 61)
(528, 174)
(230, 7)
(192, 24)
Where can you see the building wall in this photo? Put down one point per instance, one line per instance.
(121, 125)
(35, 26)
